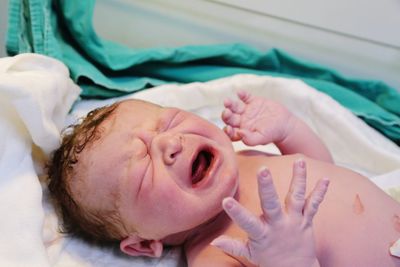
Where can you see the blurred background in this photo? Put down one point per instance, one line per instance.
(358, 38)
(3, 26)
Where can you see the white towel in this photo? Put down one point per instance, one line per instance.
(35, 97)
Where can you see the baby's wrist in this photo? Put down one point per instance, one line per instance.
(315, 264)
(289, 127)
(308, 263)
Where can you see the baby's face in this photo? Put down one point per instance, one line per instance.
(168, 169)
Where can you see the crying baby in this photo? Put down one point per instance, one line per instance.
(148, 176)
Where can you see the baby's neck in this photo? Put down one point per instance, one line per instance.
(209, 227)
(212, 227)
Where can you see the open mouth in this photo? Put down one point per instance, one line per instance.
(201, 165)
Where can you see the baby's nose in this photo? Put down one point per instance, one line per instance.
(171, 147)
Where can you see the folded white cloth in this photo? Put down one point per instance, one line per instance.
(35, 97)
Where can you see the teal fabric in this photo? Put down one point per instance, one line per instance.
(63, 29)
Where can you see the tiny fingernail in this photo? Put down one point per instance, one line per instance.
(214, 243)
(326, 181)
(228, 203)
(217, 241)
(301, 163)
(263, 172)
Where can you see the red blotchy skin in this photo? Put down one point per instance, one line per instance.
(358, 206)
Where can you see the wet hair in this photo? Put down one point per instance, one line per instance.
(92, 225)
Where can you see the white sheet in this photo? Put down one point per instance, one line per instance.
(36, 94)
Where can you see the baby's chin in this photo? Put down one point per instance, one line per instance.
(230, 189)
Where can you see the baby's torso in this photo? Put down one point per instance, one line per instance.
(355, 225)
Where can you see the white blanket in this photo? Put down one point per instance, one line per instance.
(36, 94)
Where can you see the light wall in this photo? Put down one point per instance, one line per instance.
(332, 33)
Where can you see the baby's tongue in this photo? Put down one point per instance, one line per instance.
(199, 168)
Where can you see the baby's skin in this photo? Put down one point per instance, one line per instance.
(177, 181)
(268, 234)
(354, 226)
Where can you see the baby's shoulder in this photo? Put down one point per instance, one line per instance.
(255, 157)
(248, 153)
(250, 161)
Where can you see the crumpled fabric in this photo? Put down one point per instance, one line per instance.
(36, 94)
(64, 30)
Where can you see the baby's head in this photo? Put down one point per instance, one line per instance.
(141, 174)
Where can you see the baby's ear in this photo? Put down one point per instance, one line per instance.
(134, 245)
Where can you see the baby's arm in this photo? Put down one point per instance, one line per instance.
(278, 237)
(259, 121)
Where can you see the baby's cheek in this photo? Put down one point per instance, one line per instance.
(178, 202)
(170, 198)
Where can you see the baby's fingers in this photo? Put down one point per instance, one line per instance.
(295, 198)
(268, 197)
(231, 246)
(245, 96)
(235, 106)
(251, 138)
(232, 133)
(231, 118)
(315, 199)
(251, 224)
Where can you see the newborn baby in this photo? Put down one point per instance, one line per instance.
(148, 176)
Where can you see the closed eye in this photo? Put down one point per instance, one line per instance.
(167, 121)
(139, 148)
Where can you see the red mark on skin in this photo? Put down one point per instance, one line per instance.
(396, 222)
(358, 207)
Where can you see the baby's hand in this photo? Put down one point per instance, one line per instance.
(276, 237)
(256, 120)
